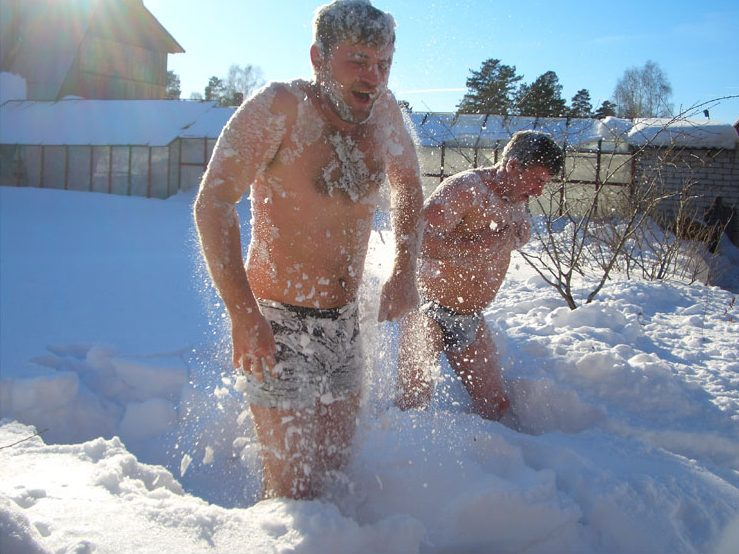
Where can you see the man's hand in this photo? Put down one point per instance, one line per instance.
(399, 296)
(253, 344)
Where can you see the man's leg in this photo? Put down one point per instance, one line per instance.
(288, 451)
(336, 425)
(421, 342)
(478, 367)
(299, 447)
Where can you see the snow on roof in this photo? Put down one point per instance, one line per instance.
(469, 130)
(209, 124)
(103, 122)
(693, 133)
(485, 131)
(159, 122)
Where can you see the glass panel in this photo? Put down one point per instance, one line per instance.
(193, 151)
(159, 172)
(100, 168)
(78, 170)
(139, 171)
(190, 176)
(119, 170)
(458, 159)
(174, 168)
(580, 167)
(54, 167)
(211, 145)
(32, 158)
(12, 166)
(615, 168)
(429, 160)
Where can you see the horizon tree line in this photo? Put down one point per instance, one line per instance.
(496, 88)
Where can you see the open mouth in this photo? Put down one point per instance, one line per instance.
(362, 97)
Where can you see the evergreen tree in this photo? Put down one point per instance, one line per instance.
(543, 98)
(214, 90)
(173, 90)
(606, 108)
(491, 89)
(581, 105)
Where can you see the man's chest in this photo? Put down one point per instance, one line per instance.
(489, 212)
(332, 163)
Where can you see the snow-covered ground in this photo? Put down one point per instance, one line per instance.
(112, 348)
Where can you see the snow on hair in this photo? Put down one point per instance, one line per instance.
(534, 148)
(356, 21)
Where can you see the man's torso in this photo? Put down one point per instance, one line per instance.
(312, 209)
(470, 284)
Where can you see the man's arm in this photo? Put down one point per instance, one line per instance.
(399, 294)
(247, 144)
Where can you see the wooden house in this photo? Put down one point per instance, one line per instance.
(96, 49)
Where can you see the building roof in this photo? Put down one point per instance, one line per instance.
(107, 122)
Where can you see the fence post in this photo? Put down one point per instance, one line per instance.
(130, 155)
(91, 167)
(597, 173)
(148, 176)
(110, 169)
(42, 176)
(66, 167)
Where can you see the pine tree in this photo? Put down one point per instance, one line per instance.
(543, 98)
(491, 89)
(581, 105)
(173, 89)
(214, 90)
(606, 108)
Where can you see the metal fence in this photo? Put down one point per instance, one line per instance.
(605, 170)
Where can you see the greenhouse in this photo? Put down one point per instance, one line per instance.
(150, 148)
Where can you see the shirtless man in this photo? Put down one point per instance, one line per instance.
(313, 155)
(473, 221)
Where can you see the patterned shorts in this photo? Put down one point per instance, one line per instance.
(459, 330)
(319, 357)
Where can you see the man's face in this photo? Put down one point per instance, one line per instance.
(529, 181)
(353, 76)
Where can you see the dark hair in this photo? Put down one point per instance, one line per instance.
(356, 21)
(534, 148)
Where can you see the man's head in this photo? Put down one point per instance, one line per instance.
(351, 55)
(530, 159)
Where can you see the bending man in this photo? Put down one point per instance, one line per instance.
(473, 221)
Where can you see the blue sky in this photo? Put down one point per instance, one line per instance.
(588, 44)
